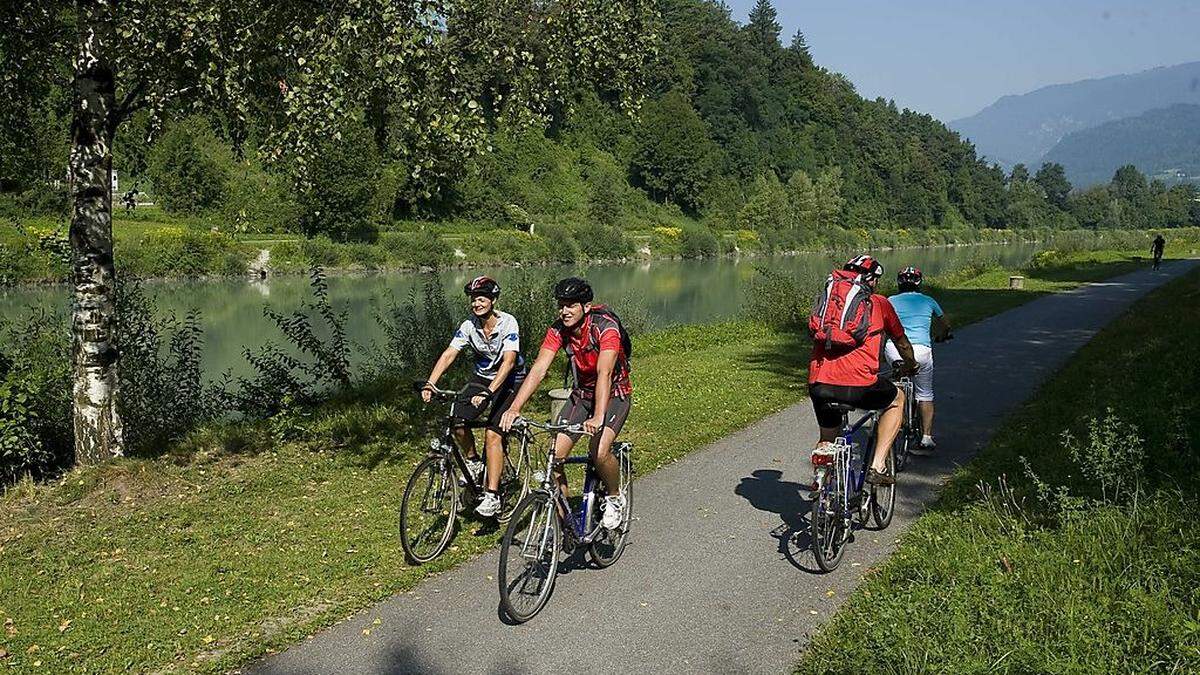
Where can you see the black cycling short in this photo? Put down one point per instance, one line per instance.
(877, 396)
(462, 411)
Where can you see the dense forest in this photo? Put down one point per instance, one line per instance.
(527, 114)
(1160, 141)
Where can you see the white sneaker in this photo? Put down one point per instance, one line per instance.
(925, 448)
(476, 468)
(614, 512)
(489, 505)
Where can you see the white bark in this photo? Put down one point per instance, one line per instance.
(97, 424)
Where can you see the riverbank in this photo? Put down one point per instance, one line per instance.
(234, 541)
(1071, 542)
(151, 244)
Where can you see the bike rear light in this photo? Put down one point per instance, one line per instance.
(435, 444)
(822, 458)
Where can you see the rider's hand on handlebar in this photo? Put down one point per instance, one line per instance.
(908, 368)
(509, 418)
(592, 425)
(426, 393)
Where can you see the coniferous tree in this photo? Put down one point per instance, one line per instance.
(763, 25)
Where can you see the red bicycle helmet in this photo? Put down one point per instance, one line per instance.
(485, 286)
(868, 267)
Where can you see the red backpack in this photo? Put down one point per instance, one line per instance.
(841, 315)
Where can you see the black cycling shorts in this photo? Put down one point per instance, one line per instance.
(579, 409)
(877, 396)
(462, 411)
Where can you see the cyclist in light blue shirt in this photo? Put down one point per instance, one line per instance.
(923, 319)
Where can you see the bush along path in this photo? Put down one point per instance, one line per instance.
(1071, 543)
(712, 580)
(246, 537)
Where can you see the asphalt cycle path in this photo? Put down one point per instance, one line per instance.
(714, 578)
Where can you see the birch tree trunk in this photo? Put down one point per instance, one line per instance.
(97, 423)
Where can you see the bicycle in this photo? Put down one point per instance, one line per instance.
(842, 500)
(912, 428)
(545, 524)
(431, 503)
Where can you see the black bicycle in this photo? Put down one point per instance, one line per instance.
(442, 486)
(545, 524)
(911, 430)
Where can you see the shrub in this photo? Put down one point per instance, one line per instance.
(604, 242)
(175, 252)
(416, 249)
(163, 394)
(322, 252)
(698, 242)
(562, 247)
(342, 187)
(778, 299)
(500, 246)
(414, 329)
(366, 256)
(35, 396)
(190, 167)
(260, 201)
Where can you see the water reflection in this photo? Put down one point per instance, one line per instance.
(674, 291)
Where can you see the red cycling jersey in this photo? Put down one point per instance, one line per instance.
(859, 367)
(586, 355)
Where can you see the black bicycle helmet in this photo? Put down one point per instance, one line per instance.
(573, 289)
(485, 286)
(868, 267)
(910, 276)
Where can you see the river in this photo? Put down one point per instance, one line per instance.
(672, 292)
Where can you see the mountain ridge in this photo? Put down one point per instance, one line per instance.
(1022, 128)
(1156, 141)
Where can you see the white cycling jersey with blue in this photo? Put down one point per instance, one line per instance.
(489, 349)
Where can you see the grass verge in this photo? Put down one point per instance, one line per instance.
(1089, 562)
(248, 537)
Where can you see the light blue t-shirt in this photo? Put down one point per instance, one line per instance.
(916, 312)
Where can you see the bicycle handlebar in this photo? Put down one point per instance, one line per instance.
(441, 394)
(566, 428)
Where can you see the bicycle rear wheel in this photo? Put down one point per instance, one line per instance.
(428, 510)
(828, 523)
(529, 557)
(608, 545)
(883, 497)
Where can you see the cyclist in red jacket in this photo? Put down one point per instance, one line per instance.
(852, 377)
(600, 399)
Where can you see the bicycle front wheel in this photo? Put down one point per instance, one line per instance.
(428, 510)
(828, 523)
(529, 557)
(608, 545)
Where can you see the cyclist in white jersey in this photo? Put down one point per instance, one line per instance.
(922, 319)
(499, 370)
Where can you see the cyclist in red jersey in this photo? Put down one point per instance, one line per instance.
(853, 377)
(600, 398)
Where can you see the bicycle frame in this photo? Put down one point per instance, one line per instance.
(852, 478)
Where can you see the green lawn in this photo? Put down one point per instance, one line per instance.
(1091, 581)
(232, 543)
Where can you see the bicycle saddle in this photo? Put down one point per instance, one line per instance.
(839, 407)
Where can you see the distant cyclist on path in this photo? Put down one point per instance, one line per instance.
(923, 321)
(1157, 250)
(849, 323)
(598, 355)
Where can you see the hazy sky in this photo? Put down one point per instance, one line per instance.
(952, 58)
